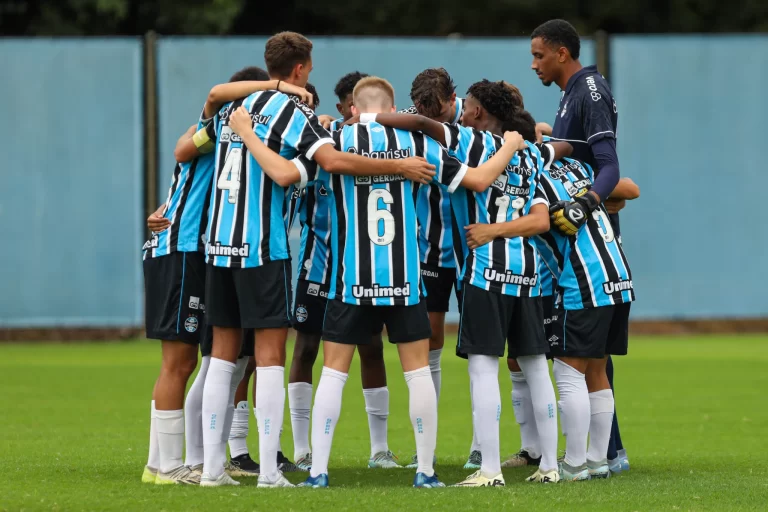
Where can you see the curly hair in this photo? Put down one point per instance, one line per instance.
(521, 121)
(313, 91)
(495, 97)
(254, 73)
(517, 95)
(430, 88)
(347, 83)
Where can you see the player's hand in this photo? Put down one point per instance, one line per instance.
(240, 121)
(516, 139)
(325, 120)
(304, 95)
(542, 129)
(569, 216)
(156, 222)
(416, 169)
(352, 120)
(479, 234)
(615, 205)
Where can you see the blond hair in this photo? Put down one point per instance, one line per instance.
(373, 92)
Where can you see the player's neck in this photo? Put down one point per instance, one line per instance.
(571, 68)
(494, 126)
(287, 79)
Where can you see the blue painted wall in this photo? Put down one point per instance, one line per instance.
(70, 182)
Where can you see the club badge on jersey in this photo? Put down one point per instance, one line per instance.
(591, 268)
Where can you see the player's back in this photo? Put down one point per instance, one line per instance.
(591, 268)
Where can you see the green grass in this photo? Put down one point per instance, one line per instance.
(74, 422)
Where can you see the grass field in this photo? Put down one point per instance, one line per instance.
(694, 418)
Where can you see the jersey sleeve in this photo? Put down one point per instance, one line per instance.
(449, 171)
(308, 170)
(304, 133)
(452, 135)
(540, 196)
(596, 117)
(547, 153)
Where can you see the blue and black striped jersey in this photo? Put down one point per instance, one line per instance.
(247, 226)
(505, 265)
(315, 219)
(374, 230)
(590, 267)
(186, 207)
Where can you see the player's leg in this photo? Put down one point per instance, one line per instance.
(376, 394)
(345, 326)
(601, 417)
(175, 284)
(483, 330)
(193, 408)
(408, 327)
(522, 406)
(308, 314)
(241, 463)
(617, 455)
(223, 312)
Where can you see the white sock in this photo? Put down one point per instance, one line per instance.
(237, 377)
(238, 434)
(300, 404)
(193, 416)
(153, 460)
(484, 375)
(434, 368)
(377, 407)
(422, 408)
(475, 447)
(170, 437)
(542, 395)
(270, 402)
(574, 401)
(215, 404)
(325, 416)
(523, 408)
(601, 408)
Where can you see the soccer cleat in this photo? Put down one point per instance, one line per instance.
(569, 473)
(242, 465)
(181, 475)
(149, 475)
(384, 460)
(422, 481)
(315, 482)
(548, 477)
(280, 481)
(620, 463)
(304, 463)
(474, 461)
(477, 479)
(285, 465)
(520, 459)
(415, 462)
(598, 469)
(196, 469)
(224, 479)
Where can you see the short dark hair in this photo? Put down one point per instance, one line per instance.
(284, 50)
(521, 121)
(251, 73)
(516, 94)
(495, 97)
(559, 33)
(347, 83)
(430, 88)
(313, 91)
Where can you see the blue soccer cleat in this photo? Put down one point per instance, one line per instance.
(315, 482)
(620, 464)
(422, 481)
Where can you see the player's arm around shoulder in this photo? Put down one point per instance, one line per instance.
(478, 179)
(534, 223)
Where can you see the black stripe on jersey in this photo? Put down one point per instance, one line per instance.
(530, 263)
(397, 248)
(364, 250)
(419, 146)
(309, 204)
(581, 274)
(174, 234)
(174, 226)
(498, 250)
(458, 248)
(240, 217)
(610, 268)
(626, 265)
(204, 219)
(341, 230)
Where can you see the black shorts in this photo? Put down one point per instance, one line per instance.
(550, 316)
(256, 298)
(592, 332)
(246, 349)
(491, 320)
(356, 325)
(439, 283)
(309, 307)
(174, 291)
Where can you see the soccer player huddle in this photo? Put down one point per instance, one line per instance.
(397, 211)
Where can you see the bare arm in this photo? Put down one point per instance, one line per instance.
(625, 189)
(536, 222)
(480, 178)
(562, 149)
(282, 171)
(224, 93)
(411, 123)
(201, 142)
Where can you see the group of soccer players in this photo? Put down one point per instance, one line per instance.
(397, 211)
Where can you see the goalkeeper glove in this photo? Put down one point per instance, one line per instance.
(569, 216)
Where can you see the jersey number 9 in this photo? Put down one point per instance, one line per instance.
(377, 216)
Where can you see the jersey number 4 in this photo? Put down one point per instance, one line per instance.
(381, 223)
(230, 174)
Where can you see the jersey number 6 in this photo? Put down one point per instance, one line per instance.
(230, 174)
(378, 215)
